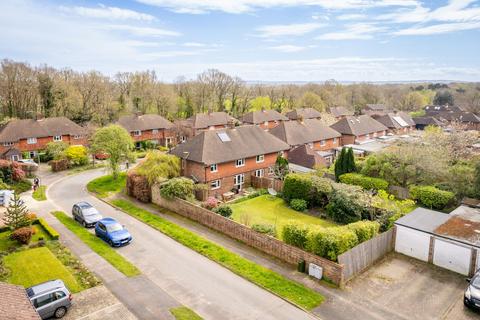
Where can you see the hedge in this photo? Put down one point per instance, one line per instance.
(364, 230)
(365, 182)
(431, 197)
(295, 235)
(298, 205)
(297, 186)
(52, 232)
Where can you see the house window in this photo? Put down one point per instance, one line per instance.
(238, 180)
(137, 133)
(76, 137)
(260, 158)
(57, 138)
(31, 140)
(215, 184)
(213, 168)
(15, 157)
(334, 140)
(155, 131)
(183, 139)
(367, 136)
(240, 163)
(271, 170)
(310, 145)
(8, 144)
(322, 143)
(259, 173)
(168, 142)
(32, 154)
(374, 134)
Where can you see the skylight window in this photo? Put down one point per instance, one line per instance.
(224, 136)
(400, 121)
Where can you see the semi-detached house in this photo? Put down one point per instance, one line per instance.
(226, 159)
(31, 136)
(149, 127)
(200, 122)
(359, 129)
(265, 119)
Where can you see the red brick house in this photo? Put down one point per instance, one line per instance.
(311, 132)
(200, 122)
(376, 109)
(340, 112)
(226, 159)
(303, 114)
(28, 135)
(149, 127)
(396, 122)
(359, 129)
(265, 119)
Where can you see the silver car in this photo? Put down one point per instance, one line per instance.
(86, 214)
(51, 298)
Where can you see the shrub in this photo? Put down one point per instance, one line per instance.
(297, 186)
(158, 167)
(22, 235)
(138, 187)
(331, 242)
(77, 155)
(211, 203)
(320, 191)
(21, 186)
(295, 235)
(298, 205)
(365, 182)
(59, 165)
(364, 230)
(224, 211)
(177, 187)
(17, 172)
(265, 229)
(54, 150)
(348, 204)
(431, 197)
(52, 232)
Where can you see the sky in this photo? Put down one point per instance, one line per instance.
(256, 40)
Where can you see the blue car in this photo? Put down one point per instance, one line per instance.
(112, 232)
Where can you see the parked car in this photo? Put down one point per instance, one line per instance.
(28, 161)
(112, 232)
(471, 298)
(86, 214)
(50, 299)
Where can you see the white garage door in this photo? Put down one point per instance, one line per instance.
(412, 243)
(452, 256)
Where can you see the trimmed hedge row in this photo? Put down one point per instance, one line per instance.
(365, 182)
(329, 243)
(297, 186)
(52, 232)
(431, 197)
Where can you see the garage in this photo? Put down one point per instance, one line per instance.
(450, 241)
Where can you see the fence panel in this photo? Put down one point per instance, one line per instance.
(365, 254)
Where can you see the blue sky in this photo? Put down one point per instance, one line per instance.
(268, 40)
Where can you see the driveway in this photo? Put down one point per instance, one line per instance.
(409, 288)
(195, 281)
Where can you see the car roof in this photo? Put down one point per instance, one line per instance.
(106, 221)
(45, 287)
(84, 204)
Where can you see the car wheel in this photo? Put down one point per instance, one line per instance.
(84, 224)
(60, 312)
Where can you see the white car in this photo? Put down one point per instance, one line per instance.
(28, 161)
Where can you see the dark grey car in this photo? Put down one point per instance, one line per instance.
(86, 214)
(51, 298)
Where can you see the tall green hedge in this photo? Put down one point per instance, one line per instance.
(295, 235)
(364, 230)
(431, 197)
(365, 182)
(297, 186)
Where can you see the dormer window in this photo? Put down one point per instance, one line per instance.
(137, 133)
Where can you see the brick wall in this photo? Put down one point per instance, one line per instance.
(264, 243)
(329, 145)
(160, 136)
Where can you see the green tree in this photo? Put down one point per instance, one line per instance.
(443, 98)
(345, 163)
(350, 161)
(55, 149)
(312, 100)
(339, 164)
(77, 155)
(115, 141)
(259, 103)
(281, 167)
(16, 215)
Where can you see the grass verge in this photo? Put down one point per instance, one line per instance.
(268, 279)
(86, 167)
(105, 185)
(40, 194)
(183, 313)
(97, 245)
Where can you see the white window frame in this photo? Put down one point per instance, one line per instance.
(15, 157)
(155, 131)
(215, 184)
(8, 144)
(334, 140)
(168, 141)
(323, 143)
(183, 139)
(239, 180)
(31, 140)
(214, 168)
(367, 136)
(259, 173)
(137, 133)
(260, 158)
(57, 138)
(76, 137)
(242, 163)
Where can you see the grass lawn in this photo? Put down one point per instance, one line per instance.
(105, 185)
(263, 277)
(272, 210)
(33, 266)
(86, 167)
(183, 313)
(98, 245)
(40, 194)
(6, 242)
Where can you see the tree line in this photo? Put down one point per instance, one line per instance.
(28, 91)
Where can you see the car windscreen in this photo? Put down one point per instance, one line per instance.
(476, 282)
(90, 211)
(30, 292)
(114, 227)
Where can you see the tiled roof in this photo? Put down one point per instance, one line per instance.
(432, 121)
(144, 122)
(205, 120)
(15, 304)
(340, 111)
(224, 145)
(395, 120)
(358, 126)
(303, 113)
(306, 157)
(258, 117)
(300, 132)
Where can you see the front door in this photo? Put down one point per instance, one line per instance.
(239, 180)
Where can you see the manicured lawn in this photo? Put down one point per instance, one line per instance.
(251, 271)
(40, 194)
(272, 210)
(98, 245)
(105, 185)
(183, 313)
(33, 266)
(6, 242)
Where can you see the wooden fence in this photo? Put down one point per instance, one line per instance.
(265, 183)
(270, 245)
(366, 254)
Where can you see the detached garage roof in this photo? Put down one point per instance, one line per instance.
(15, 304)
(423, 219)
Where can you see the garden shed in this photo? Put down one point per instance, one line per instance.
(450, 241)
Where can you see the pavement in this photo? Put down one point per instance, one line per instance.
(171, 273)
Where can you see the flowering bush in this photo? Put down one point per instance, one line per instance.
(17, 172)
(211, 203)
(22, 235)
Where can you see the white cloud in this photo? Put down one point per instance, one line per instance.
(194, 44)
(298, 29)
(353, 16)
(357, 31)
(438, 28)
(287, 48)
(143, 31)
(242, 6)
(112, 13)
